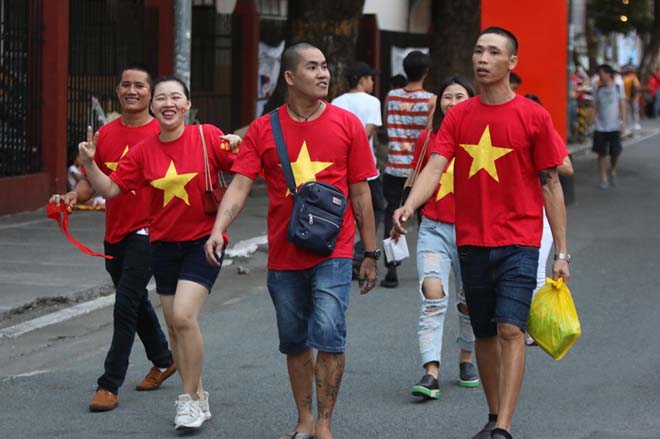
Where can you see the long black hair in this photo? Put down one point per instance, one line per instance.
(438, 116)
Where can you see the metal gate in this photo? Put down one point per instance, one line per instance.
(212, 68)
(21, 30)
(104, 36)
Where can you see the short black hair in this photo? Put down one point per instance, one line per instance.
(438, 116)
(353, 81)
(605, 68)
(139, 68)
(398, 81)
(534, 98)
(511, 38)
(515, 78)
(162, 79)
(291, 55)
(416, 64)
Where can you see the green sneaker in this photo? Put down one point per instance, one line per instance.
(427, 388)
(468, 375)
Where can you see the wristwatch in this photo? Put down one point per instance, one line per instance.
(563, 256)
(374, 254)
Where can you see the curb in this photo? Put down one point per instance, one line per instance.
(241, 250)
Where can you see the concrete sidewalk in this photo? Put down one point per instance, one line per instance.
(41, 270)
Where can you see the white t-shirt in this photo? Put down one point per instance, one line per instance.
(366, 107)
(73, 169)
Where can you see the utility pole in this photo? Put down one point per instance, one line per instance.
(182, 37)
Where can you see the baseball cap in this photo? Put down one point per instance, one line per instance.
(360, 69)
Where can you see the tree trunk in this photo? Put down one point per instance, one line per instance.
(332, 26)
(651, 46)
(454, 31)
(592, 42)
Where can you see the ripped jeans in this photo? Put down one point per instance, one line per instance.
(436, 256)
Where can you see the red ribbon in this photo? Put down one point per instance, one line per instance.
(60, 213)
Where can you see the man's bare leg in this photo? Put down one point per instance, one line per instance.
(512, 369)
(329, 372)
(488, 362)
(301, 376)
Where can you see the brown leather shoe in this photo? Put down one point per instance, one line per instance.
(155, 378)
(103, 401)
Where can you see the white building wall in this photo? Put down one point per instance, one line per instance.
(401, 15)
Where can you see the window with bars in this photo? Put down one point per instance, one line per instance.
(21, 33)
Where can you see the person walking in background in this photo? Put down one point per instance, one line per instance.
(366, 107)
(436, 258)
(175, 165)
(309, 291)
(503, 146)
(127, 241)
(610, 122)
(407, 112)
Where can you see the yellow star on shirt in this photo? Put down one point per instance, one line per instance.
(173, 185)
(484, 155)
(304, 169)
(446, 182)
(113, 165)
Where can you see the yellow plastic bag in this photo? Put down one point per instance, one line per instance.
(553, 321)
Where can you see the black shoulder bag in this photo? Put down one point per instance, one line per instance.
(318, 208)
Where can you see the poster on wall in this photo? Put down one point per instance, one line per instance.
(399, 53)
(269, 69)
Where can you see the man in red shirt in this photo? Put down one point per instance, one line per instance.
(310, 292)
(505, 171)
(127, 239)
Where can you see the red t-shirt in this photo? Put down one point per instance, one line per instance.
(333, 149)
(441, 206)
(173, 172)
(499, 151)
(127, 212)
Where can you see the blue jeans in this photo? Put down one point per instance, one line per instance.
(130, 271)
(311, 306)
(498, 283)
(436, 257)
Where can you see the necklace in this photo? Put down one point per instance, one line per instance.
(305, 119)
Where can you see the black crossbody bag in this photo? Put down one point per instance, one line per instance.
(318, 208)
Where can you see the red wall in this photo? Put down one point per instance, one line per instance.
(542, 32)
(165, 36)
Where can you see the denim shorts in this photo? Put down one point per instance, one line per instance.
(498, 284)
(311, 306)
(174, 261)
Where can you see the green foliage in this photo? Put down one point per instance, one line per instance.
(607, 15)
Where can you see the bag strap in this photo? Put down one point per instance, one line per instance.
(418, 167)
(207, 169)
(281, 150)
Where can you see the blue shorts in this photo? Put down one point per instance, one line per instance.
(311, 306)
(174, 261)
(498, 284)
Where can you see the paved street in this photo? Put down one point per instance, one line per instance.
(607, 387)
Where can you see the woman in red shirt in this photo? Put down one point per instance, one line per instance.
(436, 258)
(173, 165)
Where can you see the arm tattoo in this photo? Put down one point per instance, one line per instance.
(357, 213)
(546, 177)
(231, 212)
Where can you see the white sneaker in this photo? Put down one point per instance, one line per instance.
(203, 403)
(188, 413)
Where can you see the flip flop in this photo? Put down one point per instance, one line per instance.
(298, 435)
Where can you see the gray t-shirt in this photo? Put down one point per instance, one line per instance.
(608, 101)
